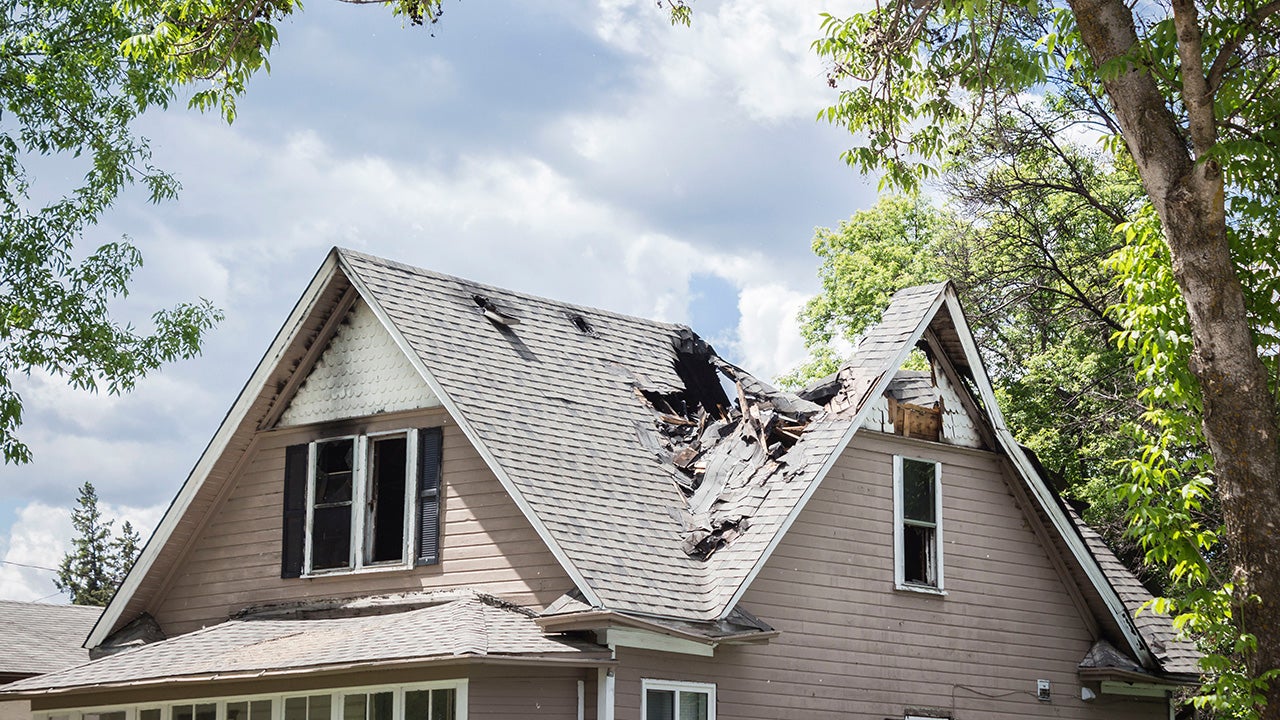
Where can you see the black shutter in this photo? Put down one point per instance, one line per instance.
(429, 441)
(295, 510)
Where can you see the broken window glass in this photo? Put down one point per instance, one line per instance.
(331, 513)
(386, 499)
(918, 507)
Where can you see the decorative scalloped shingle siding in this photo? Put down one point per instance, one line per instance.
(361, 373)
(957, 427)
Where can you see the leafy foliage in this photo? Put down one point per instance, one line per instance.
(921, 80)
(98, 560)
(75, 76)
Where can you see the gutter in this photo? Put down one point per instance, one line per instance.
(594, 659)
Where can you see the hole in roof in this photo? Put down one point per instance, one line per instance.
(583, 325)
(481, 302)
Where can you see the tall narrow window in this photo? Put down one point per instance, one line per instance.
(331, 504)
(917, 524)
(388, 478)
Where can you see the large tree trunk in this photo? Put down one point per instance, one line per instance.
(1240, 421)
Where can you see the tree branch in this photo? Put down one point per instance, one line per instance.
(1251, 24)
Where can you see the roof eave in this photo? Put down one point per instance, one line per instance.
(1173, 680)
(605, 619)
(602, 658)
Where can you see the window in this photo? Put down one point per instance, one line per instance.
(917, 531)
(361, 502)
(670, 700)
(439, 700)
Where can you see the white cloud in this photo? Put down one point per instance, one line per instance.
(768, 331)
(755, 53)
(38, 538)
(42, 535)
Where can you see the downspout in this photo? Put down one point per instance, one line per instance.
(582, 700)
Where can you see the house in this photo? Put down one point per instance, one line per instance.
(439, 500)
(38, 638)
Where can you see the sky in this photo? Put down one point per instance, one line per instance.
(583, 150)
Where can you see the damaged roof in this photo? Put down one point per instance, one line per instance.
(659, 492)
(471, 626)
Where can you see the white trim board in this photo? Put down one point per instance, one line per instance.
(213, 451)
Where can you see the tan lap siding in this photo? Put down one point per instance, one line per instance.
(510, 693)
(234, 562)
(854, 647)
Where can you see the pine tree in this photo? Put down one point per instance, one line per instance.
(124, 551)
(89, 572)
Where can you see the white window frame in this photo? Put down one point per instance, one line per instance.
(362, 447)
(647, 684)
(460, 685)
(899, 551)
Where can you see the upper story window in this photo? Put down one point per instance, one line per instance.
(917, 524)
(671, 700)
(362, 501)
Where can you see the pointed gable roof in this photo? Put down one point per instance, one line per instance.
(559, 401)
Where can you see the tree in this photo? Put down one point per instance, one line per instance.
(1036, 315)
(75, 75)
(1186, 93)
(97, 562)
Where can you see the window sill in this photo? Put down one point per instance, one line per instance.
(367, 570)
(921, 589)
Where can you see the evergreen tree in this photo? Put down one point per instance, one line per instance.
(124, 551)
(97, 562)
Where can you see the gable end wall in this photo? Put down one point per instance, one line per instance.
(854, 647)
(234, 563)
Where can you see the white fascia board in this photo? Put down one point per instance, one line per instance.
(213, 451)
(886, 377)
(472, 435)
(646, 640)
(1041, 491)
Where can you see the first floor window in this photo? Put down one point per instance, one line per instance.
(671, 700)
(361, 501)
(437, 700)
(917, 510)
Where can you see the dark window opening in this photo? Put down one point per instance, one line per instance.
(660, 705)
(917, 550)
(331, 512)
(439, 704)
(918, 504)
(386, 499)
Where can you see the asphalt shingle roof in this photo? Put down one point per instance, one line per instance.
(560, 411)
(37, 638)
(475, 626)
(1176, 655)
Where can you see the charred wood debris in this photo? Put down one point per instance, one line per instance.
(722, 451)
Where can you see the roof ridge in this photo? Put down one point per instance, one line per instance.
(480, 285)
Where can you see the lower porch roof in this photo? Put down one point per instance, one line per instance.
(472, 628)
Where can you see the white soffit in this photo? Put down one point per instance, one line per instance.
(362, 372)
